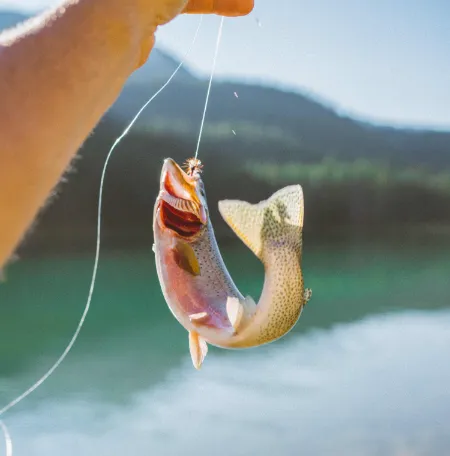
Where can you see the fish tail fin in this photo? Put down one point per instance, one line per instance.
(275, 221)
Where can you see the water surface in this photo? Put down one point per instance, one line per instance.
(365, 371)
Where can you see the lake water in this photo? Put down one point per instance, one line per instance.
(365, 372)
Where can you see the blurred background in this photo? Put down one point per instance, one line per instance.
(350, 101)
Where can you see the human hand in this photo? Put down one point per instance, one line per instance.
(222, 7)
(160, 12)
(166, 10)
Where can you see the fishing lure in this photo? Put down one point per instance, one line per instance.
(194, 280)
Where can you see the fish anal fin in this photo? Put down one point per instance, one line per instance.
(198, 348)
(185, 258)
(239, 312)
(250, 306)
(235, 312)
(278, 218)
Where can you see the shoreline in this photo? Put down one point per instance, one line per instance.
(142, 241)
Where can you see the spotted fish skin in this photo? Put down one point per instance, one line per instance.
(197, 285)
(272, 229)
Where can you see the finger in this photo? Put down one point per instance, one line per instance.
(222, 7)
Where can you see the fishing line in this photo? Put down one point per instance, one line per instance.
(216, 52)
(8, 441)
(97, 249)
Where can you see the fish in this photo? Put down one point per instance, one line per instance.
(194, 280)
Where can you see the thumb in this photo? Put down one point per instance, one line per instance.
(222, 7)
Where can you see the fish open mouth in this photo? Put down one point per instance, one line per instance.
(185, 223)
(180, 206)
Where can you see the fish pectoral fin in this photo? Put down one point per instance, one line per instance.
(154, 248)
(307, 295)
(198, 348)
(185, 258)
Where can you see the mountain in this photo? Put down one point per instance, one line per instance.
(256, 139)
(158, 69)
(10, 19)
(284, 123)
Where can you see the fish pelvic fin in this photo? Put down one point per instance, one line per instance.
(198, 348)
(277, 220)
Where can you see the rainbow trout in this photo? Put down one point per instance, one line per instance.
(194, 280)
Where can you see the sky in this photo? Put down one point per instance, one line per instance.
(387, 61)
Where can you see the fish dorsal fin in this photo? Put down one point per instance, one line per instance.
(269, 219)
